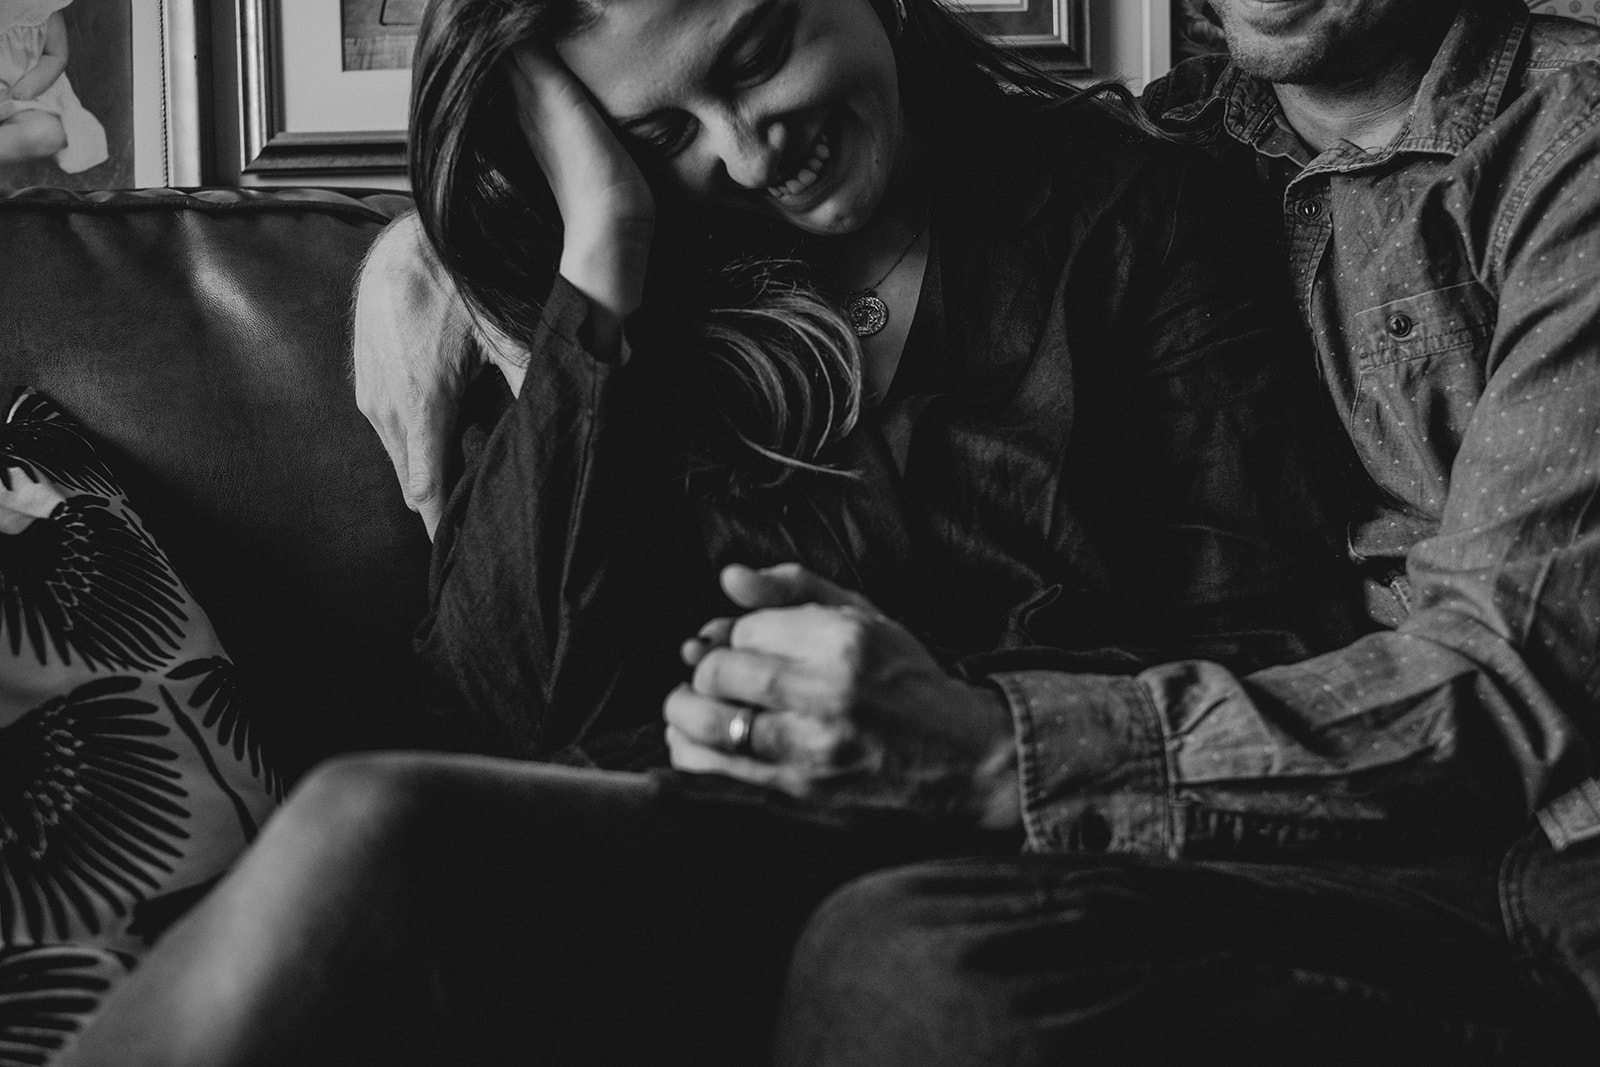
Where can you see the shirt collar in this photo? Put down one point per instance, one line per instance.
(1459, 96)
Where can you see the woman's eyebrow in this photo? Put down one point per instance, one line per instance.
(752, 22)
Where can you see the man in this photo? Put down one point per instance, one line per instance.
(1437, 168)
(1438, 163)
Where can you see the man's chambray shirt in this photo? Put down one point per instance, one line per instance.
(1451, 282)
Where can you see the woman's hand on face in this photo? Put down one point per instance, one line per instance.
(607, 207)
(849, 708)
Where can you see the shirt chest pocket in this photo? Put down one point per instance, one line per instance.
(1452, 319)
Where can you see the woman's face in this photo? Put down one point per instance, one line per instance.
(786, 107)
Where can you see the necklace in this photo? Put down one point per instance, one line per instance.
(868, 313)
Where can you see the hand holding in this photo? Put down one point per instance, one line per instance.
(833, 702)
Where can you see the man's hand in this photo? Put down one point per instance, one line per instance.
(849, 708)
(412, 358)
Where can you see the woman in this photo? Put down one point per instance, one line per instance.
(1054, 433)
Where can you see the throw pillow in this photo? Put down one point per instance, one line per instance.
(131, 773)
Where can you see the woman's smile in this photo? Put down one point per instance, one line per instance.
(809, 172)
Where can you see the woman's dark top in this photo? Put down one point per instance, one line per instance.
(1104, 447)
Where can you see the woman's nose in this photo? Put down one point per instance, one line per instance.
(752, 153)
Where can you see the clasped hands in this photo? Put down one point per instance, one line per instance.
(841, 706)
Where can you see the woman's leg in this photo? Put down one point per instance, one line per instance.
(30, 135)
(1107, 960)
(440, 909)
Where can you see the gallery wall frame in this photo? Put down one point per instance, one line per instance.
(129, 99)
(323, 120)
(168, 103)
(1052, 33)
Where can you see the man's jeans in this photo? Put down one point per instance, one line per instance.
(1122, 960)
(1551, 901)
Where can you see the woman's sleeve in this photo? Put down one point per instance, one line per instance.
(564, 573)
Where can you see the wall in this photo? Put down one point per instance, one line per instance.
(1130, 39)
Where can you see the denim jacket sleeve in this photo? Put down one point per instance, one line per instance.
(1445, 732)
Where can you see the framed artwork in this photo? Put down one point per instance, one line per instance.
(303, 109)
(98, 94)
(379, 34)
(1053, 33)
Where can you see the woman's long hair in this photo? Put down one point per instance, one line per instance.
(773, 357)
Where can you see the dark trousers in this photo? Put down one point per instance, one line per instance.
(1121, 960)
(439, 910)
(1551, 901)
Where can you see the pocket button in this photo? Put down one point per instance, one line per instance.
(1399, 325)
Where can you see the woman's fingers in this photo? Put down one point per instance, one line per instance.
(690, 755)
(706, 721)
(763, 680)
(785, 585)
(808, 743)
(598, 187)
(713, 634)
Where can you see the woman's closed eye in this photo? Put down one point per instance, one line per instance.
(763, 54)
(755, 56)
(664, 134)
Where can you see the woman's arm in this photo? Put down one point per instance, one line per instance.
(52, 62)
(565, 565)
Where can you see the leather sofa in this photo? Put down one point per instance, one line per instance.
(203, 339)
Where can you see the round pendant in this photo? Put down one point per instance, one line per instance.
(868, 314)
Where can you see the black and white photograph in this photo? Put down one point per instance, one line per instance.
(379, 34)
(800, 533)
(66, 93)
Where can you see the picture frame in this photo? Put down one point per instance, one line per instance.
(1052, 33)
(324, 119)
(133, 78)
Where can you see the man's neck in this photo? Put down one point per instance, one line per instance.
(1368, 116)
(1370, 108)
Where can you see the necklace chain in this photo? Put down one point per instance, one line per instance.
(868, 313)
(901, 258)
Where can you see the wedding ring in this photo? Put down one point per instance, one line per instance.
(739, 730)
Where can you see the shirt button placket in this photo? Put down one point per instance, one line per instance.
(1308, 231)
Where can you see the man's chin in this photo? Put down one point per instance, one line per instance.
(1288, 62)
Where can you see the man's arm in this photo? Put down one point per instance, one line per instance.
(1453, 727)
(415, 346)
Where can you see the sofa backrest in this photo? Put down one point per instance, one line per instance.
(204, 339)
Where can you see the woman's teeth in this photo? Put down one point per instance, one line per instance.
(807, 175)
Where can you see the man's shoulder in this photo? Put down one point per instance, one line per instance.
(1556, 44)
(1183, 92)
(1553, 98)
